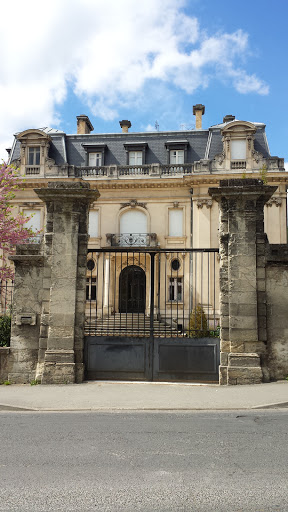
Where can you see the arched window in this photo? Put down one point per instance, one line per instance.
(133, 221)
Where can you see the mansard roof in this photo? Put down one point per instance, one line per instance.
(201, 144)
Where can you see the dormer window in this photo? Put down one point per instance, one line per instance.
(177, 156)
(238, 149)
(95, 154)
(95, 159)
(34, 155)
(34, 152)
(176, 151)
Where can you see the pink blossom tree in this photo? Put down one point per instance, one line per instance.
(12, 227)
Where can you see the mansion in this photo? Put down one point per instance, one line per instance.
(153, 190)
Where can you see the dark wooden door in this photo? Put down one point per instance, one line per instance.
(132, 290)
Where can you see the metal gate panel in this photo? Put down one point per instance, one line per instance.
(186, 359)
(117, 358)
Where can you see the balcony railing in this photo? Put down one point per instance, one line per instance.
(132, 239)
(125, 171)
(32, 169)
(238, 164)
(91, 171)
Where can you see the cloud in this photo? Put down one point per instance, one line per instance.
(109, 52)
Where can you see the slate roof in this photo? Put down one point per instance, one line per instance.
(69, 148)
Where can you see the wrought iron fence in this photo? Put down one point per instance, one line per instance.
(152, 292)
(6, 296)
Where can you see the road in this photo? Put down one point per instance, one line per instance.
(232, 461)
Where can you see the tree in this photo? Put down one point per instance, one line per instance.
(12, 227)
(198, 327)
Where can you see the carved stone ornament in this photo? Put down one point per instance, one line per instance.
(133, 204)
(201, 202)
(274, 200)
(219, 159)
(49, 162)
(256, 156)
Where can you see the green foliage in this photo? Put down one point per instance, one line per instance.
(215, 333)
(34, 382)
(263, 174)
(198, 327)
(7, 383)
(5, 330)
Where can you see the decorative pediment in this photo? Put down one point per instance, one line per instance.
(239, 128)
(33, 135)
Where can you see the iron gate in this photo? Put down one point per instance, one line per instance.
(152, 314)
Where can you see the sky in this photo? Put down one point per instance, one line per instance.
(147, 61)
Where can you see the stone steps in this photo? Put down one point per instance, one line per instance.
(127, 324)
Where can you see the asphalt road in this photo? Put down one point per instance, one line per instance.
(185, 462)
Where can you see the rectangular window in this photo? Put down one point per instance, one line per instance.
(175, 289)
(91, 291)
(135, 157)
(95, 159)
(176, 222)
(34, 156)
(177, 156)
(238, 149)
(35, 222)
(93, 229)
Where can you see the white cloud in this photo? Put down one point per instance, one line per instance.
(109, 51)
(286, 166)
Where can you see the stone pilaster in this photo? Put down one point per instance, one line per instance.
(26, 311)
(63, 311)
(242, 278)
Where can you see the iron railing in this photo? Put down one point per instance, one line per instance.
(6, 296)
(152, 292)
(132, 239)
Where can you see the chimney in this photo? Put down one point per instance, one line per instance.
(198, 111)
(84, 125)
(228, 118)
(125, 125)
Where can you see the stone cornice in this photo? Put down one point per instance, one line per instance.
(159, 183)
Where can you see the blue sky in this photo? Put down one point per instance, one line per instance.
(146, 62)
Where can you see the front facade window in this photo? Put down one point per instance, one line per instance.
(91, 291)
(93, 229)
(177, 156)
(176, 222)
(34, 222)
(175, 289)
(34, 155)
(135, 157)
(95, 159)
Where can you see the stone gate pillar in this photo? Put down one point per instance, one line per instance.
(64, 281)
(242, 278)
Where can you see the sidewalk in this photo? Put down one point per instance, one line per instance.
(131, 396)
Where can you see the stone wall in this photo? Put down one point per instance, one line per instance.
(4, 362)
(277, 311)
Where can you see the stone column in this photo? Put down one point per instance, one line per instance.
(65, 251)
(242, 278)
(27, 300)
(106, 286)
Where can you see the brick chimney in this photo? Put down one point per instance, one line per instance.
(84, 125)
(198, 111)
(125, 125)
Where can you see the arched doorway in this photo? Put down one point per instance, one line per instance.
(132, 290)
